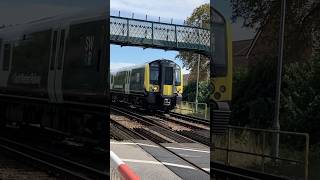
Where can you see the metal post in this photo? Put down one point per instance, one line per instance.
(263, 145)
(276, 124)
(176, 35)
(198, 72)
(228, 147)
(306, 161)
(152, 33)
(128, 30)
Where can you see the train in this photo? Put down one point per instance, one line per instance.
(155, 85)
(54, 72)
(221, 71)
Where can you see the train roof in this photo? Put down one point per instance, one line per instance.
(52, 21)
(137, 66)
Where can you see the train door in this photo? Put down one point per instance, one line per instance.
(59, 62)
(5, 62)
(127, 83)
(57, 53)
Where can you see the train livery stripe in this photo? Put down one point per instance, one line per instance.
(147, 77)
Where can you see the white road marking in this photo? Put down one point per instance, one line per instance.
(158, 163)
(130, 143)
(187, 149)
(177, 148)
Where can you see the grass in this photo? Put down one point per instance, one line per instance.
(188, 108)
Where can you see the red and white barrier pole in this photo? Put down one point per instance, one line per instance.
(125, 171)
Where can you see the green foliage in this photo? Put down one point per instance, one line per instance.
(254, 93)
(190, 60)
(301, 98)
(189, 92)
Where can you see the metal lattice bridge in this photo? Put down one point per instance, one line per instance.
(149, 34)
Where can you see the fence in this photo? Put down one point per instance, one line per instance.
(121, 171)
(193, 109)
(253, 148)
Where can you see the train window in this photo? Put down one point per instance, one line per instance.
(177, 77)
(138, 77)
(54, 42)
(218, 66)
(6, 57)
(168, 75)
(61, 49)
(154, 75)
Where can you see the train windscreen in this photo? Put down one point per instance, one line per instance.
(177, 77)
(218, 44)
(168, 78)
(154, 73)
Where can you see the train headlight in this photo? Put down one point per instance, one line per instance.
(222, 88)
(155, 88)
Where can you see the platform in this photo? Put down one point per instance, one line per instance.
(153, 162)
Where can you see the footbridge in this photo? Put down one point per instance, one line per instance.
(150, 34)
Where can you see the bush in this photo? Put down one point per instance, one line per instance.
(254, 94)
(189, 93)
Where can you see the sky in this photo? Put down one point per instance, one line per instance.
(167, 10)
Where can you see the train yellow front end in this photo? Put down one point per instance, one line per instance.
(155, 85)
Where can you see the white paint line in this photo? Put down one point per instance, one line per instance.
(177, 148)
(206, 169)
(158, 163)
(130, 143)
(187, 149)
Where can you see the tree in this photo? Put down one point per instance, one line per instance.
(189, 93)
(190, 60)
(302, 21)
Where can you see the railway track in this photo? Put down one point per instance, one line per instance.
(197, 133)
(190, 118)
(218, 171)
(155, 133)
(48, 161)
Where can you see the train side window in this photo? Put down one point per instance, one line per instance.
(61, 49)
(53, 53)
(6, 57)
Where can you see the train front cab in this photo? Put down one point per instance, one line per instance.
(163, 83)
(220, 72)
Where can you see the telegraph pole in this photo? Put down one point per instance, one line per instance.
(276, 124)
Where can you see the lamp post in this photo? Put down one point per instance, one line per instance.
(276, 124)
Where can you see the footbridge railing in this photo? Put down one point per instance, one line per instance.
(149, 34)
